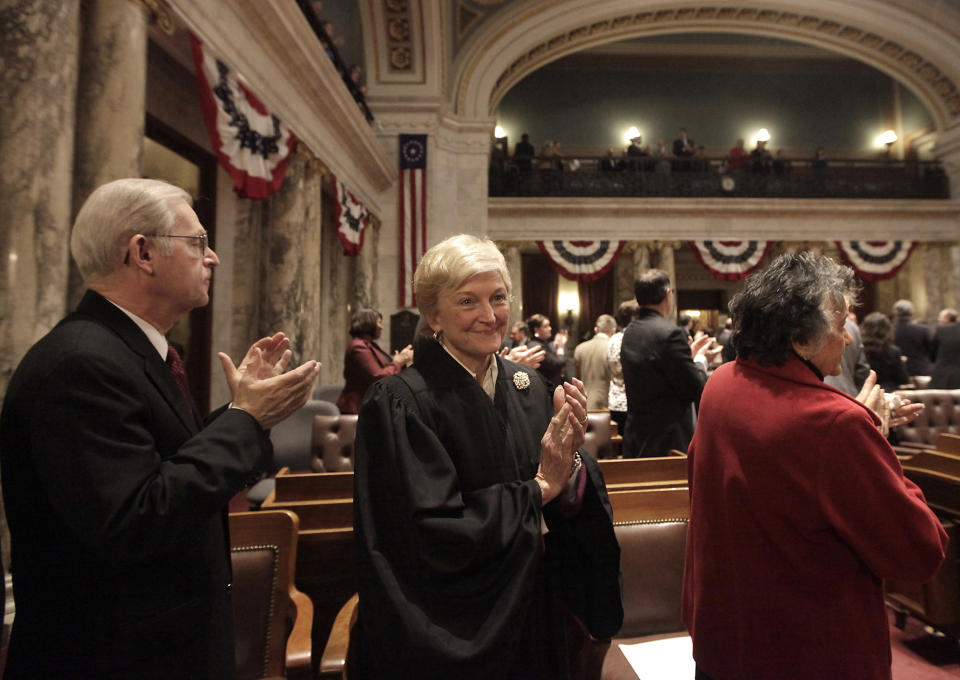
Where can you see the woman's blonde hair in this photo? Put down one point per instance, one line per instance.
(450, 263)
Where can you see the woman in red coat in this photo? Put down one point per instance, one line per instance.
(365, 362)
(799, 507)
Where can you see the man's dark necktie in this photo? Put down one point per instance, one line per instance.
(179, 374)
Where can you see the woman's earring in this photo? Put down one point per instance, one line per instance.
(437, 334)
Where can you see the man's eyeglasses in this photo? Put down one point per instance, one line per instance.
(201, 240)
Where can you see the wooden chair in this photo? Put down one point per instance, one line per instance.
(272, 619)
(337, 660)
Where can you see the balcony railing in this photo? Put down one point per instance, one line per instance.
(317, 25)
(712, 177)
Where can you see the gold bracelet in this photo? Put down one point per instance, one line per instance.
(577, 462)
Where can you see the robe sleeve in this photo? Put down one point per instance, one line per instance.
(444, 575)
(587, 556)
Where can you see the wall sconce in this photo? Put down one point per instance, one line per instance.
(568, 302)
(763, 135)
(887, 139)
(499, 132)
(630, 134)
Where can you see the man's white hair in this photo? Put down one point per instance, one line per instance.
(116, 211)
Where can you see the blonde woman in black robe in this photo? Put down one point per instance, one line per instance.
(478, 523)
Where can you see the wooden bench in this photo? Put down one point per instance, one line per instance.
(639, 473)
(936, 603)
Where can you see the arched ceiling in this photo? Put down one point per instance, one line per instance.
(922, 52)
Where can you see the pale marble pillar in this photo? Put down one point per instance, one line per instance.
(641, 260)
(668, 264)
(248, 236)
(511, 253)
(111, 100)
(38, 50)
(290, 296)
(38, 53)
(624, 275)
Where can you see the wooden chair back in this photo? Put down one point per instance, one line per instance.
(272, 619)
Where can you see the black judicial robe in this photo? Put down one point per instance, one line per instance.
(454, 578)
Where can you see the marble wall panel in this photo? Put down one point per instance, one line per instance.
(38, 75)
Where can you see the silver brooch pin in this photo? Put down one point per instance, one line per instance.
(521, 380)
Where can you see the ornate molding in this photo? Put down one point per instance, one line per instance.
(398, 35)
(783, 23)
(159, 14)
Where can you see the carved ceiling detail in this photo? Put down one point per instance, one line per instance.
(398, 36)
(884, 50)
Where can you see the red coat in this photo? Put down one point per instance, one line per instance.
(363, 364)
(799, 508)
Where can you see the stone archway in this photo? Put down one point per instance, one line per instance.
(923, 57)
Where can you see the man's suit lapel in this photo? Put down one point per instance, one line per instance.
(155, 368)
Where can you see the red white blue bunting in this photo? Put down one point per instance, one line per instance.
(351, 216)
(730, 260)
(876, 260)
(582, 260)
(251, 143)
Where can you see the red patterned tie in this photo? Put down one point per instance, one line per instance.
(179, 373)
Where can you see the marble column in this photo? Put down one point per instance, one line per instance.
(38, 51)
(641, 260)
(667, 263)
(111, 100)
(290, 296)
(38, 77)
(511, 253)
(249, 237)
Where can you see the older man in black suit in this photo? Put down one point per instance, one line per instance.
(662, 373)
(115, 492)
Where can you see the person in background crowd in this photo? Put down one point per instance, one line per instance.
(723, 337)
(781, 164)
(617, 395)
(736, 158)
(914, 339)
(885, 357)
(523, 153)
(554, 363)
(761, 160)
(854, 365)
(945, 374)
(683, 146)
(798, 505)
(611, 163)
(592, 365)
(518, 334)
(116, 492)
(662, 372)
(364, 361)
(477, 522)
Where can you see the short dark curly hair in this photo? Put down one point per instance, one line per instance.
(789, 302)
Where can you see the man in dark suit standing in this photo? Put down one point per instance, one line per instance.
(662, 373)
(554, 363)
(115, 491)
(914, 339)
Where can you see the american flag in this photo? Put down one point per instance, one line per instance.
(413, 211)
